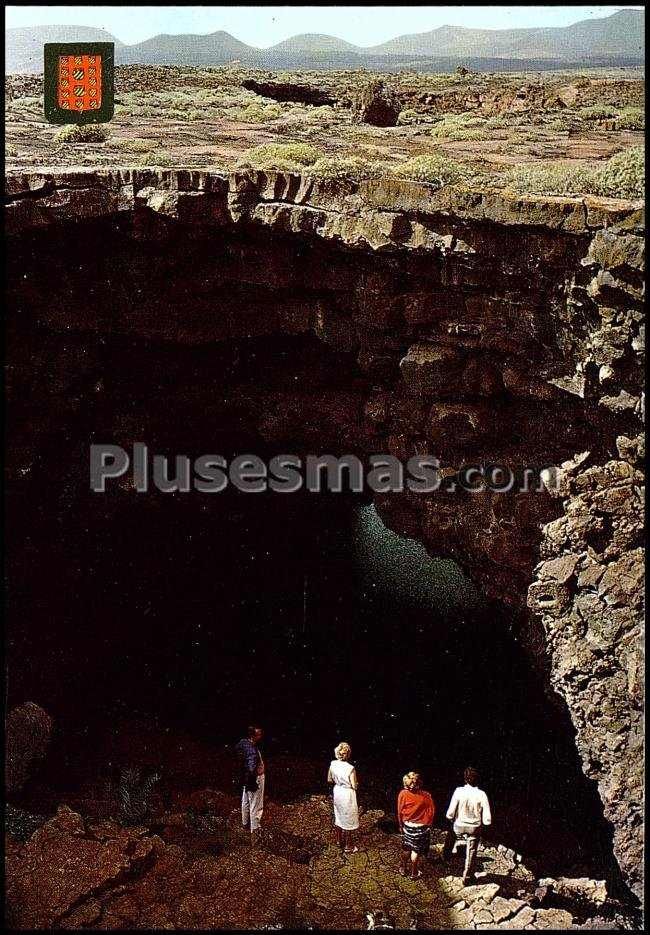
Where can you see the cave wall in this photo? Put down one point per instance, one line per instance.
(473, 326)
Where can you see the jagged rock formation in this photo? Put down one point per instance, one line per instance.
(376, 104)
(290, 91)
(589, 595)
(85, 864)
(513, 95)
(483, 326)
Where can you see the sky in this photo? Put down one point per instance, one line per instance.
(264, 26)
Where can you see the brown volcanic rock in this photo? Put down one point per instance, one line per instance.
(76, 874)
(377, 104)
(73, 873)
(590, 602)
(28, 728)
(290, 91)
(64, 864)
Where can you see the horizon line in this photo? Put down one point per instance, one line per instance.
(615, 11)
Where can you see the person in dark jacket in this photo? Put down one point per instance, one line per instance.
(252, 778)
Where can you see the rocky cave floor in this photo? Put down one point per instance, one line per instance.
(189, 865)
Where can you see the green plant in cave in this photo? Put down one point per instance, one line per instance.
(435, 169)
(287, 157)
(135, 791)
(82, 133)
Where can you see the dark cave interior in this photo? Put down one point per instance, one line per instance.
(195, 615)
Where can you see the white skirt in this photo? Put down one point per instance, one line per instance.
(346, 810)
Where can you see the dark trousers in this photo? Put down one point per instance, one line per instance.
(473, 836)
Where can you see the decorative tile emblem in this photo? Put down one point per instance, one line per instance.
(78, 79)
(80, 82)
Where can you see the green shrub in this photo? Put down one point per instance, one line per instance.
(286, 157)
(320, 113)
(463, 134)
(257, 113)
(459, 127)
(497, 122)
(433, 168)
(468, 126)
(30, 103)
(345, 167)
(631, 118)
(134, 145)
(597, 112)
(622, 176)
(560, 178)
(559, 124)
(162, 159)
(410, 117)
(82, 133)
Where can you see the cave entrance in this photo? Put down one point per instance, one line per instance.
(179, 618)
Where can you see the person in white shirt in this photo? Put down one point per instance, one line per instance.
(469, 810)
(343, 777)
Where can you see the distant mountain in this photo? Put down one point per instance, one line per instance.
(615, 39)
(312, 50)
(219, 47)
(619, 34)
(313, 42)
(24, 44)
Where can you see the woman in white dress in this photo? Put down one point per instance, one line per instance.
(343, 777)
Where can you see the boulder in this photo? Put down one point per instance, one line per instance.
(63, 864)
(377, 104)
(581, 888)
